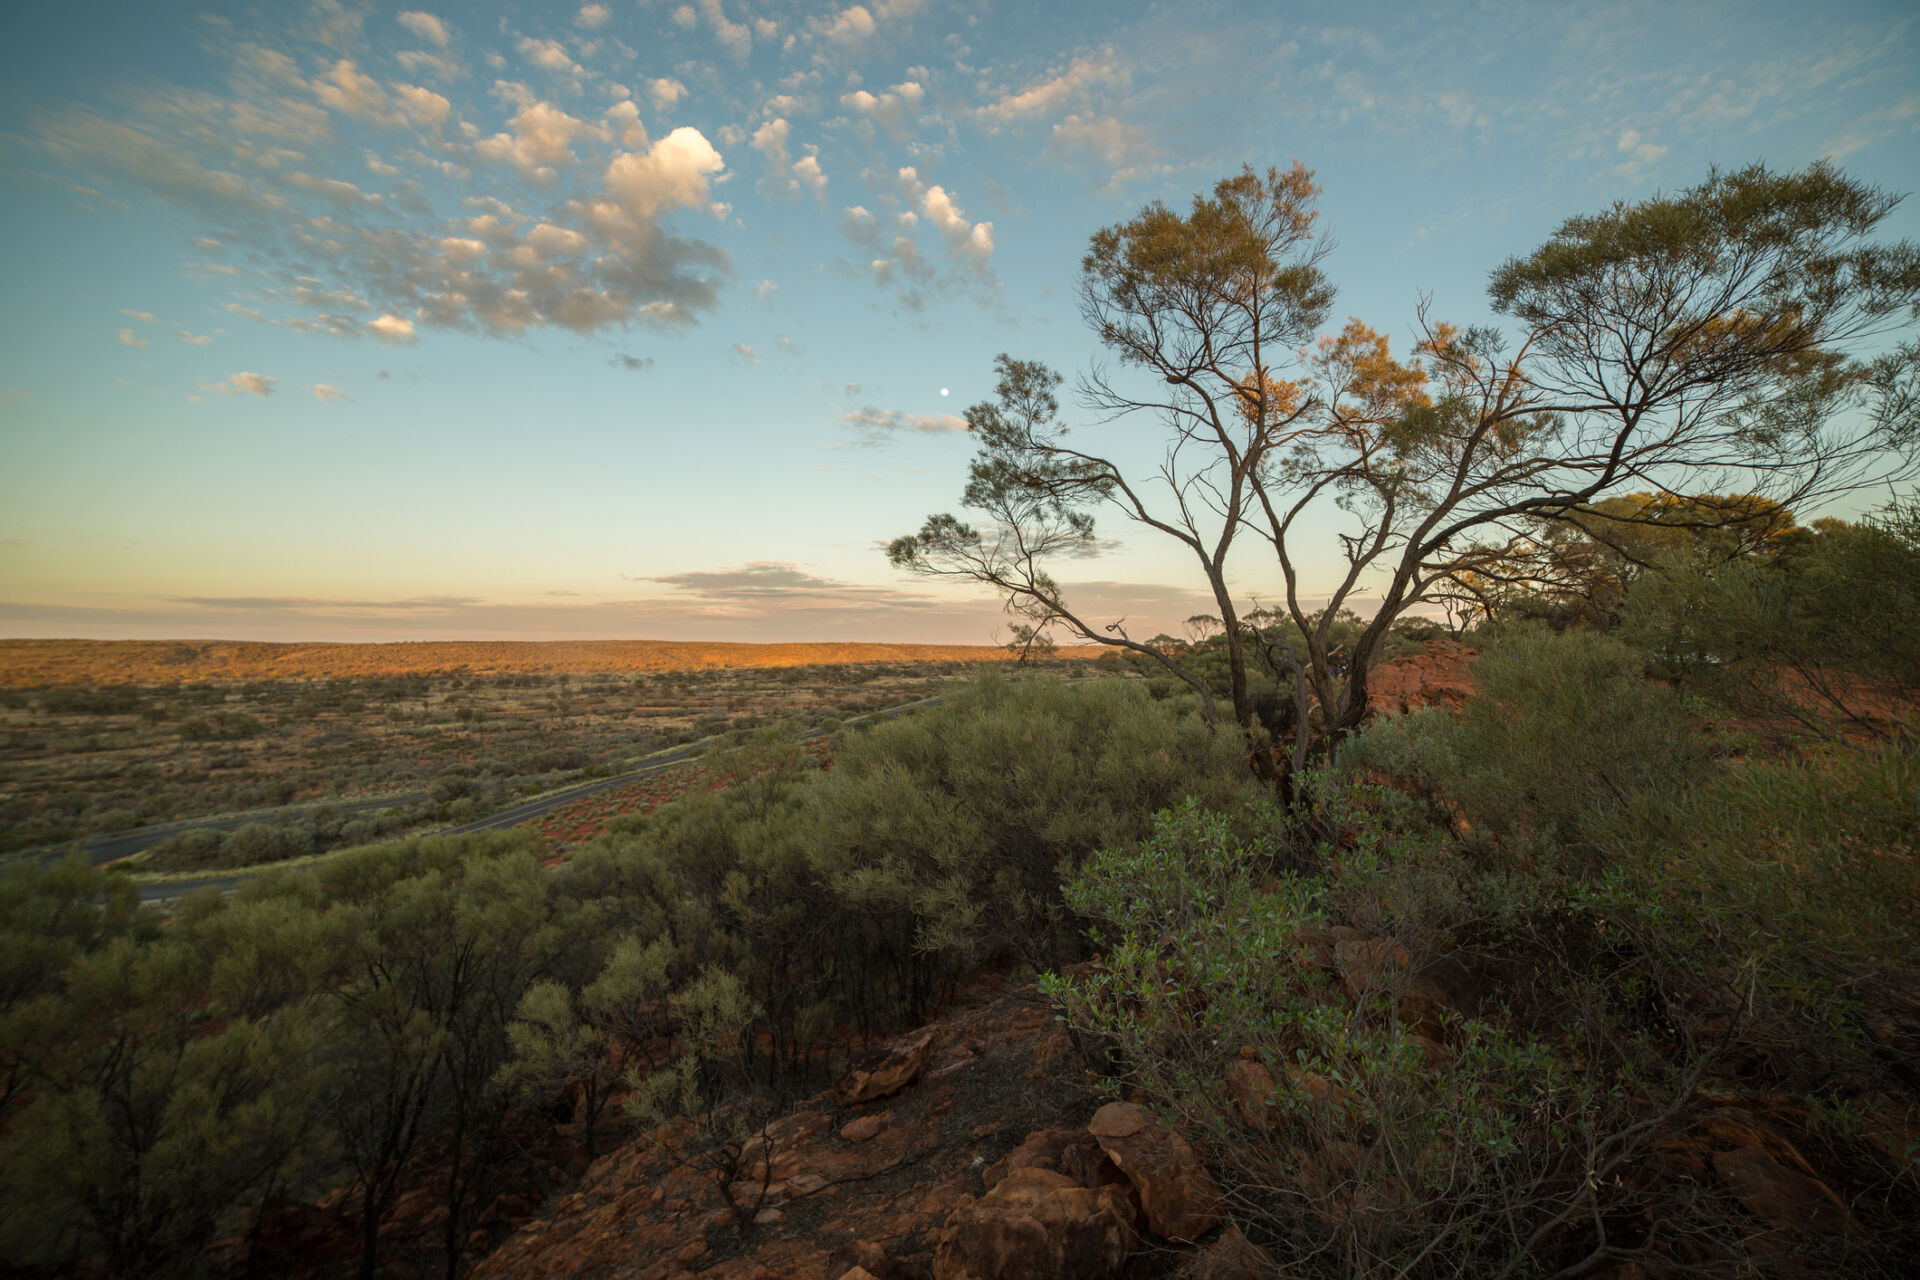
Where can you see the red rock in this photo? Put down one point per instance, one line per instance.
(890, 1070)
(1074, 1152)
(1250, 1085)
(1441, 676)
(1232, 1257)
(1037, 1225)
(1177, 1195)
(1784, 1197)
(866, 1127)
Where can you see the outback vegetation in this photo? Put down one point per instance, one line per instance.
(1607, 969)
(447, 746)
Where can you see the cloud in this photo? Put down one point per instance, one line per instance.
(735, 37)
(632, 364)
(424, 25)
(874, 427)
(550, 56)
(14, 395)
(538, 140)
(746, 353)
(971, 240)
(144, 317)
(850, 26)
(664, 93)
(441, 241)
(303, 603)
(352, 92)
(890, 109)
(126, 338)
(193, 339)
(591, 17)
(1125, 151)
(1058, 91)
(392, 330)
(756, 587)
(245, 384)
(786, 176)
(321, 391)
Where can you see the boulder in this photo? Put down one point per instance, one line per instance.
(1037, 1225)
(1178, 1197)
(1783, 1197)
(866, 1128)
(888, 1070)
(1232, 1257)
(1074, 1152)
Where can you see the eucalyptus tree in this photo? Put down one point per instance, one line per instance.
(1745, 336)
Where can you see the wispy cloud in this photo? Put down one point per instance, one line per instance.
(873, 426)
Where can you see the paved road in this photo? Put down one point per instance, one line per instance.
(101, 849)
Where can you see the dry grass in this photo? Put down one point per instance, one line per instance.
(37, 663)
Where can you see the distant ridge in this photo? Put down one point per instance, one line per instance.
(47, 662)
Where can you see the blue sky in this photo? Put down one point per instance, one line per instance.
(654, 320)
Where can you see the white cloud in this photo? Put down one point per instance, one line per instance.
(1058, 90)
(851, 25)
(664, 93)
(126, 338)
(623, 119)
(246, 384)
(891, 109)
(673, 173)
(746, 353)
(1125, 151)
(972, 239)
(352, 92)
(144, 317)
(321, 391)
(391, 329)
(592, 17)
(193, 339)
(539, 142)
(424, 107)
(424, 25)
(548, 55)
(787, 176)
(735, 37)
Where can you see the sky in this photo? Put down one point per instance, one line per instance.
(342, 321)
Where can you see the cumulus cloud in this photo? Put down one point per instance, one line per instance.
(538, 141)
(321, 391)
(592, 17)
(550, 56)
(193, 339)
(735, 37)
(246, 384)
(424, 25)
(850, 26)
(127, 338)
(787, 176)
(441, 242)
(144, 317)
(392, 329)
(892, 109)
(664, 93)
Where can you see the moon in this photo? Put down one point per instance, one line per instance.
(943, 391)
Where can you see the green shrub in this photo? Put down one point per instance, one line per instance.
(1347, 1142)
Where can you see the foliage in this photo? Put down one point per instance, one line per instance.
(1722, 339)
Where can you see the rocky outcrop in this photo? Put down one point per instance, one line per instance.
(1177, 1196)
(890, 1070)
(1038, 1225)
(1441, 676)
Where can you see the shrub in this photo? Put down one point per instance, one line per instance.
(1349, 1141)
